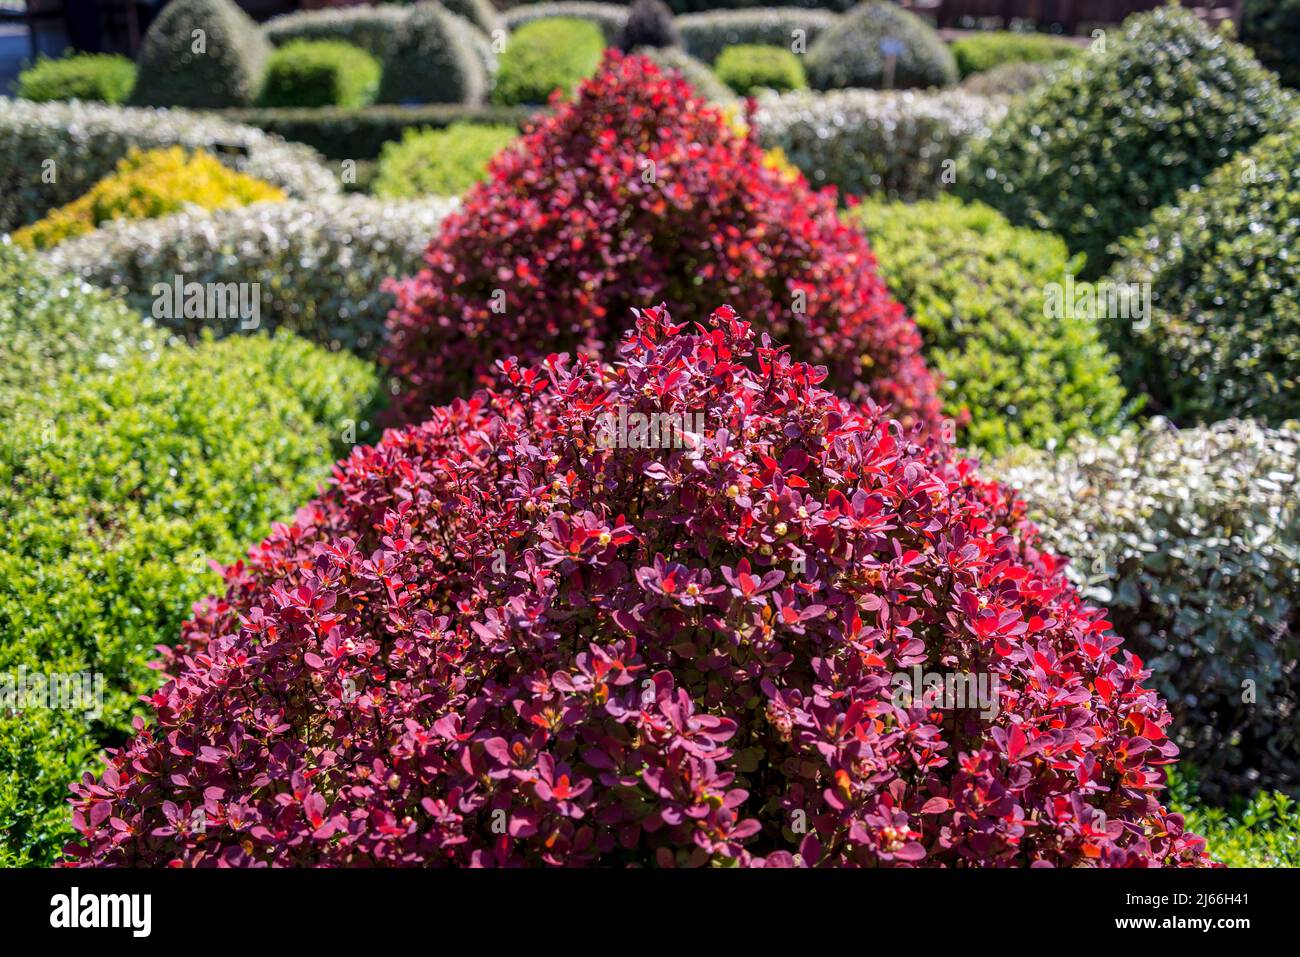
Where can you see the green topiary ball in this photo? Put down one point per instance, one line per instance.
(433, 61)
(321, 73)
(203, 54)
(880, 45)
(1092, 154)
(976, 286)
(1222, 262)
(547, 55)
(749, 67)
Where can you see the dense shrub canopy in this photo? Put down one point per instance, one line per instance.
(705, 35)
(1165, 104)
(1193, 540)
(978, 52)
(545, 56)
(975, 285)
(81, 143)
(221, 67)
(749, 68)
(54, 325)
(639, 190)
(889, 143)
(1010, 79)
(320, 265)
(1272, 29)
(880, 45)
(495, 641)
(114, 495)
(439, 162)
(320, 73)
(147, 185)
(1224, 335)
(90, 77)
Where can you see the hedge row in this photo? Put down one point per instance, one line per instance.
(897, 144)
(706, 35)
(321, 264)
(361, 134)
(52, 153)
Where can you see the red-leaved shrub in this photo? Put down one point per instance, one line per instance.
(497, 641)
(637, 192)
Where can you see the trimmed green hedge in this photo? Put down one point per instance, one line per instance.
(439, 162)
(975, 284)
(361, 134)
(610, 17)
(54, 325)
(1223, 338)
(320, 265)
(706, 35)
(89, 77)
(81, 143)
(112, 500)
(547, 55)
(857, 52)
(750, 67)
(983, 51)
(308, 73)
(1092, 154)
(226, 70)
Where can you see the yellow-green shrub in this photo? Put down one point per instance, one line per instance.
(146, 185)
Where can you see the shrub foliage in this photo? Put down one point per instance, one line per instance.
(640, 191)
(642, 678)
(978, 52)
(545, 56)
(749, 68)
(975, 285)
(147, 185)
(1165, 104)
(649, 24)
(223, 66)
(90, 77)
(706, 35)
(1193, 540)
(439, 162)
(1272, 29)
(320, 73)
(113, 497)
(880, 45)
(1224, 335)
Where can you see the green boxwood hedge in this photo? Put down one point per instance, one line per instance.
(544, 56)
(221, 67)
(1223, 264)
(975, 284)
(983, 51)
(610, 17)
(706, 35)
(439, 162)
(750, 67)
(113, 498)
(1113, 137)
(89, 77)
(320, 73)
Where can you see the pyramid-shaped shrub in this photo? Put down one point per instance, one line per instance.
(202, 54)
(639, 192)
(520, 633)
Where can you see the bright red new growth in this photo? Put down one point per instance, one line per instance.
(495, 641)
(639, 192)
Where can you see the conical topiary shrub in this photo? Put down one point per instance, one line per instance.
(1094, 152)
(203, 54)
(649, 24)
(639, 191)
(532, 631)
